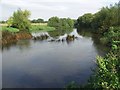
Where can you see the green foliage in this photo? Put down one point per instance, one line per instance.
(33, 28)
(106, 17)
(9, 29)
(39, 20)
(112, 35)
(54, 22)
(104, 40)
(41, 28)
(61, 23)
(20, 20)
(85, 20)
(103, 22)
(107, 23)
(10, 21)
(107, 74)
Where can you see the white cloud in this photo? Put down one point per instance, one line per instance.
(48, 8)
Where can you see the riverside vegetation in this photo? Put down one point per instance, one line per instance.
(105, 24)
(20, 23)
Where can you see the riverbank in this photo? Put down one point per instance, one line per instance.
(11, 35)
(33, 28)
(8, 37)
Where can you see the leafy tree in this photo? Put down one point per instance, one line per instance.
(10, 21)
(54, 22)
(85, 20)
(61, 23)
(20, 20)
(105, 18)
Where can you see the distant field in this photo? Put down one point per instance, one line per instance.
(38, 23)
(5, 24)
(10, 29)
(46, 28)
(34, 28)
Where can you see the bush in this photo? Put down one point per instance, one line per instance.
(107, 75)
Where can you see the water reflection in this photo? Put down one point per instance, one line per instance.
(88, 33)
(8, 46)
(44, 64)
(23, 44)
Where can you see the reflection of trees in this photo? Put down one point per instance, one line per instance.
(59, 32)
(69, 42)
(8, 46)
(101, 49)
(85, 32)
(23, 44)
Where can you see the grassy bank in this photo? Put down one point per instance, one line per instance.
(10, 29)
(9, 37)
(34, 28)
(10, 34)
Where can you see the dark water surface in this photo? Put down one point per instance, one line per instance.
(39, 64)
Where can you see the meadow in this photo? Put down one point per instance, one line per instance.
(34, 28)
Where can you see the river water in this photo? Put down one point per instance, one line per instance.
(43, 64)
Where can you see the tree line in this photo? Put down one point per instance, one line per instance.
(61, 23)
(20, 20)
(39, 20)
(106, 17)
(106, 25)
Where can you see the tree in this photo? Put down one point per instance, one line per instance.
(85, 20)
(20, 20)
(54, 22)
(102, 20)
(61, 23)
(10, 21)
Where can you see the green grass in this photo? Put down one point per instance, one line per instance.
(10, 29)
(41, 28)
(34, 28)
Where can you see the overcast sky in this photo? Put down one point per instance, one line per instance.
(48, 8)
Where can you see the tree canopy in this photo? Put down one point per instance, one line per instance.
(85, 20)
(61, 23)
(20, 20)
(106, 17)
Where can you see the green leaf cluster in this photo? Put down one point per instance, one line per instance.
(20, 20)
(61, 23)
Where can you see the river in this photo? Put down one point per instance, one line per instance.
(44, 64)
